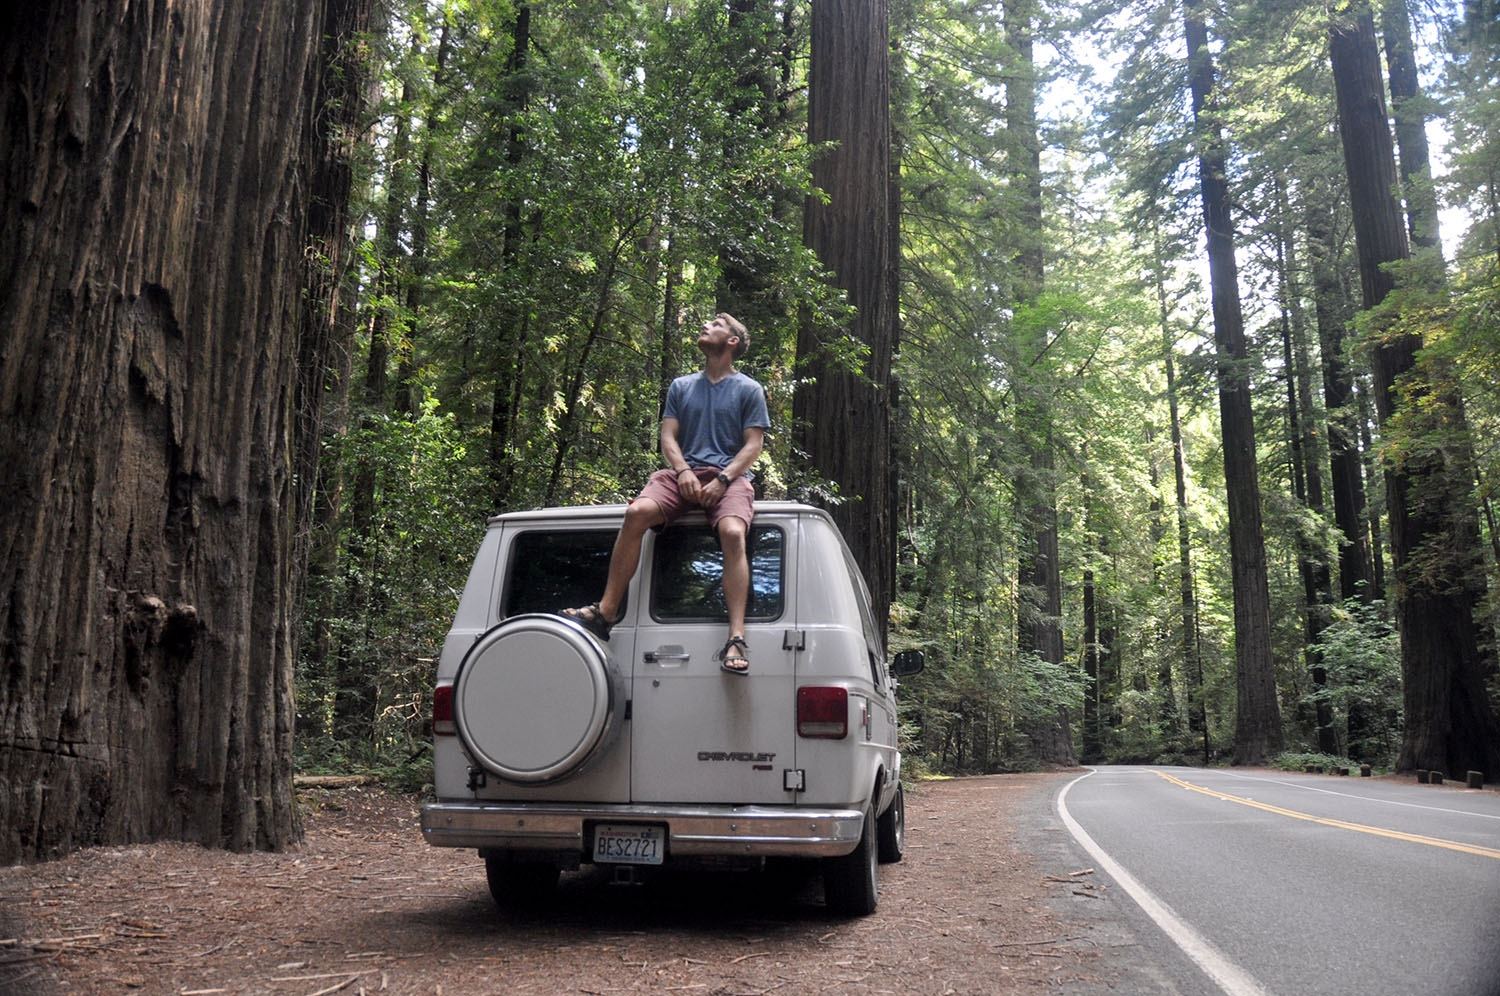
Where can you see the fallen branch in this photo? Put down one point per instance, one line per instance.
(334, 988)
(333, 781)
(1045, 940)
(325, 975)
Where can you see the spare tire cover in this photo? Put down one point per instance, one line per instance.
(535, 698)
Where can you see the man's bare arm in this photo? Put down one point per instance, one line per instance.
(671, 451)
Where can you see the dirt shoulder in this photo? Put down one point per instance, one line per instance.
(364, 905)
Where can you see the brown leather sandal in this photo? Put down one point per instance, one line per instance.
(737, 662)
(591, 618)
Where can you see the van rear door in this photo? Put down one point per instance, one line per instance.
(700, 735)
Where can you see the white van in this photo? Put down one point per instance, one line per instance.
(553, 749)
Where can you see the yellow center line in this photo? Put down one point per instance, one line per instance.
(1483, 852)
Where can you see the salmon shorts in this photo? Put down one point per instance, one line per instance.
(739, 498)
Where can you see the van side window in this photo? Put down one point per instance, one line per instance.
(867, 622)
(687, 579)
(553, 570)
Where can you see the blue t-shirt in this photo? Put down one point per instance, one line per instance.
(712, 418)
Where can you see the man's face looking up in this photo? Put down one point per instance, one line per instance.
(716, 336)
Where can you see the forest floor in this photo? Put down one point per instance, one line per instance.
(363, 905)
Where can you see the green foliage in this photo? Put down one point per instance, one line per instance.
(1472, 41)
(1362, 652)
(387, 607)
(1294, 761)
(544, 229)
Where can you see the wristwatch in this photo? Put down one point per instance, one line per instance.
(723, 478)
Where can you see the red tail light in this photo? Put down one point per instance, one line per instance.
(442, 711)
(823, 711)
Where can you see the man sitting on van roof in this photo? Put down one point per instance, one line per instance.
(712, 430)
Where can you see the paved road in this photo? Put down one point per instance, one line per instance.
(1286, 884)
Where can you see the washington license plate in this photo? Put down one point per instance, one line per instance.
(625, 844)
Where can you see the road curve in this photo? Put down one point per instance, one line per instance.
(1287, 884)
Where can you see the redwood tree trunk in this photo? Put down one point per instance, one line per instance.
(1187, 597)
(848, 104)
(1449, 725)
(1346, 471)
(1307, 474)
(172, 187)
(1257, 728)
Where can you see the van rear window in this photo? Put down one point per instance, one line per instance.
(556, 570)
(687, 579)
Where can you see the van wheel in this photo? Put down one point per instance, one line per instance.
(850, 882)
(893, 828)
(519, 884)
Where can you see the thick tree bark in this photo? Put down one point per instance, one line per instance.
(849, 88)
(326, 365)
(171, 234)
(1257, 733)
(1449, 725)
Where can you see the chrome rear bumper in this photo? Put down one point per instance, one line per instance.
(691, 830)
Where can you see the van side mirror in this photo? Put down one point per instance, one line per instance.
(907, 662)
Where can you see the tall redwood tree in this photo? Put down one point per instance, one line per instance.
(1449, 725)
(172, 228)
(843, 419)
(1257, 726)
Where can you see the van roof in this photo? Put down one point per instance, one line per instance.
(574, 513)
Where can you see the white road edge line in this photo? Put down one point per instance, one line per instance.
(1363, 798)
(1228, 976)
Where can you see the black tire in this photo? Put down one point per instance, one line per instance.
(892, 826)
(519, 884)
(851, 882)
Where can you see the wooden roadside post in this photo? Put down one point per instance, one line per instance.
(1476, 779)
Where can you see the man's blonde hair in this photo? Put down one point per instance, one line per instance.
(738, 328)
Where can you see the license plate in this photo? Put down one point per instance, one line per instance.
(625, 844)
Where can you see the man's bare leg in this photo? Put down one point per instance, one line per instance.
(732, 534)
(642, 514)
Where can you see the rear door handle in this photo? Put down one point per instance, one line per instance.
(657, 657)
